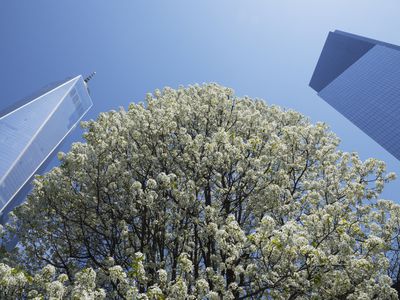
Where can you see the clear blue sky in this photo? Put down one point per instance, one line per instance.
(266, 49)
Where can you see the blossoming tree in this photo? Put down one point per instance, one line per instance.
(199, 194)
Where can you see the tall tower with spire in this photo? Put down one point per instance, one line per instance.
(31, 132)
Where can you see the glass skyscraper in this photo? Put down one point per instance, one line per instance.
(30, 133)
(360, 78)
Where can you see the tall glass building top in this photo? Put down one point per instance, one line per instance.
(360, 78)
(31, 133)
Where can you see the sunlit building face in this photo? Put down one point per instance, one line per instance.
(30, 134)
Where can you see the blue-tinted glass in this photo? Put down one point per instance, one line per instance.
(368, 94)
(19, 127)
(340, 52)
(35, 95)
(31, 134)
(363, 38)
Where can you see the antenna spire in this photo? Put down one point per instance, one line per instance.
(87, 79)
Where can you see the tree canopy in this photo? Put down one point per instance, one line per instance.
(200, 194)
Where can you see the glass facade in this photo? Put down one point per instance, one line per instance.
(31, 133)
(367, 91)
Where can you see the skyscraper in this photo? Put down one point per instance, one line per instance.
(360, 78)
(30, 133)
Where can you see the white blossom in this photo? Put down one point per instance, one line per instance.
(200, 194)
